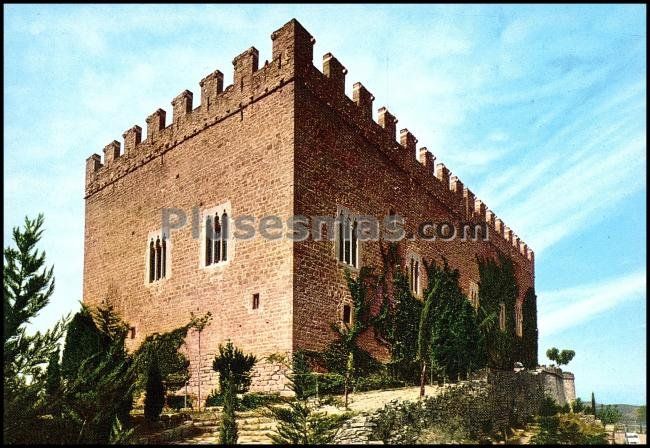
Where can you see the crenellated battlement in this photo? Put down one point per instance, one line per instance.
(292, 61)
(291, 49)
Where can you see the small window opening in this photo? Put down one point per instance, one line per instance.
(347, 314)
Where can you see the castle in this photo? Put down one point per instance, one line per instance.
(282, 140)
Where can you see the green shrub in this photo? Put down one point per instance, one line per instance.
(330, 384)
(377, 381)
(177, 402)
(228, 431)
(214, 399)
(303, 379)
(568, 429)
(479, 411)
(83, 340)
(233, 365)
(301, 423)
(609, 414)
(256, 400)
(549, 407)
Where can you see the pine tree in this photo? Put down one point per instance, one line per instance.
(298, 422)
(28, 286)
(154, 399)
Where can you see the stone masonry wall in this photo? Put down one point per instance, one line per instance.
(558, 384)
(236, 148)
(345, 159)
(283, 139)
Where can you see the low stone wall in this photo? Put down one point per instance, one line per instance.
(270, 377)
(357, 430)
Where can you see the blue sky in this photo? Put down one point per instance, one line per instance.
(541, 110)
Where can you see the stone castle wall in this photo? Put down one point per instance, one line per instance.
(283, 139)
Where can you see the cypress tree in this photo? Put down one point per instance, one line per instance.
(53, 382)
(234, 369)
(228, 433)
(83, 340)
(155, 392)
(593, 404)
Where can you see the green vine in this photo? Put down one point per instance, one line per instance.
(529, 341)
(498, 285)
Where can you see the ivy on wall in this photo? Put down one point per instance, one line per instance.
(344, 349)
(398, 321)
(452, 338)
(455, 341)
(497, 286)
(529, 341)
(441, 331)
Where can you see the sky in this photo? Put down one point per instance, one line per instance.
(540, 110)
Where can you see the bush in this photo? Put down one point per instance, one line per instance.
(214, 399)
(568, 429)
(303, 379)
(228, 431)
(479, 411)
(302, 423)
(255, 400)
(399, 422)
(377, 381)
(233, 365)
(549, 407)
(177, 402)
(609, 414)
(450, 432)
(83, 340)
(330, 384)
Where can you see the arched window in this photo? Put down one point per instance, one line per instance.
(158, 253)
(414, 274)
(347, 239)
(353, 249)
(152, 261)
(224, 236)
(208, 240)
(216, 239)
(341, 233)
(218, 247)
(158, 259)
(163, 262)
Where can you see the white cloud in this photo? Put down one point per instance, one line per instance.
(571, 307)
